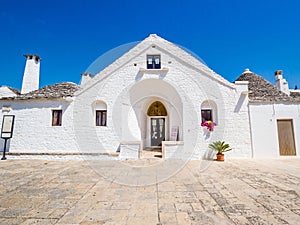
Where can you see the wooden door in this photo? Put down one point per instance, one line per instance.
(286, 137)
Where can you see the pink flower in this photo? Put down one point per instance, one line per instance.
(209, 125)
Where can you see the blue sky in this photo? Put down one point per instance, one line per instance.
(228, 35)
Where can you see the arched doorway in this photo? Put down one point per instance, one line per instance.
(143, 95)
(157, 119)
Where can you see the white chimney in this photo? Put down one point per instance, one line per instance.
(85, 77)
(281, 83)
(31, 75)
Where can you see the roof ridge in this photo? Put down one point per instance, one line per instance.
(16, 91)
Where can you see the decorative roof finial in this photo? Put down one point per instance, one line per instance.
(247, 71)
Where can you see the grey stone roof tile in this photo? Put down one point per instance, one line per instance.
(64, 89)
(17, 92)
(261, 90)
(295, 94)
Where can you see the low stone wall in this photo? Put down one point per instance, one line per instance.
(173, 150)
(130, 150)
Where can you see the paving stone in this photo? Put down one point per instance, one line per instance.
(183, 207)
(39, 221)
(58, 213)
(256, 220)
(197, 207)
(168, 218)
(12, 221)
(209, 217)
(167, 207)
(142, 209)
(76, 214)
(71, 192)
(121, 205)
(183, 218)
(239, 219)
(144, 220)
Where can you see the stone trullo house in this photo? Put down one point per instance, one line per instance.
(155, 95)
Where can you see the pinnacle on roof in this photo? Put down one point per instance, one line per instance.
(246, 71)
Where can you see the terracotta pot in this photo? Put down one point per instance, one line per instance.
(220, 157)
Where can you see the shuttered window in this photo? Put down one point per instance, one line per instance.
(206, 115)
(153, 62)
(56, 117)
(101, 116)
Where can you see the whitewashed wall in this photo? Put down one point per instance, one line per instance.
(264, 132)
(33, 130)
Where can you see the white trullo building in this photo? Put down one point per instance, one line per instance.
(155, 95)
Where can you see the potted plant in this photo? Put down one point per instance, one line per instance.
(220, 147)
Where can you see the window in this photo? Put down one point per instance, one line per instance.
(153, 62)
(101, 117)
(157, 109)
(100, 109)
(56, 117)
(209, 111)
(206, 114)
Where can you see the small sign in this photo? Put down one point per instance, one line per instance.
(174, 133)
(7, 126)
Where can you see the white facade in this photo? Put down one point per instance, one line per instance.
(33, 131)
(126, 89)
(264, 127)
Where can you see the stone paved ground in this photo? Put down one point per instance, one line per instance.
(71, 192)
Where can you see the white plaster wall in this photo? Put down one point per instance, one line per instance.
(264, 131)
(6, 92)
(33, 131)
(236, 124)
